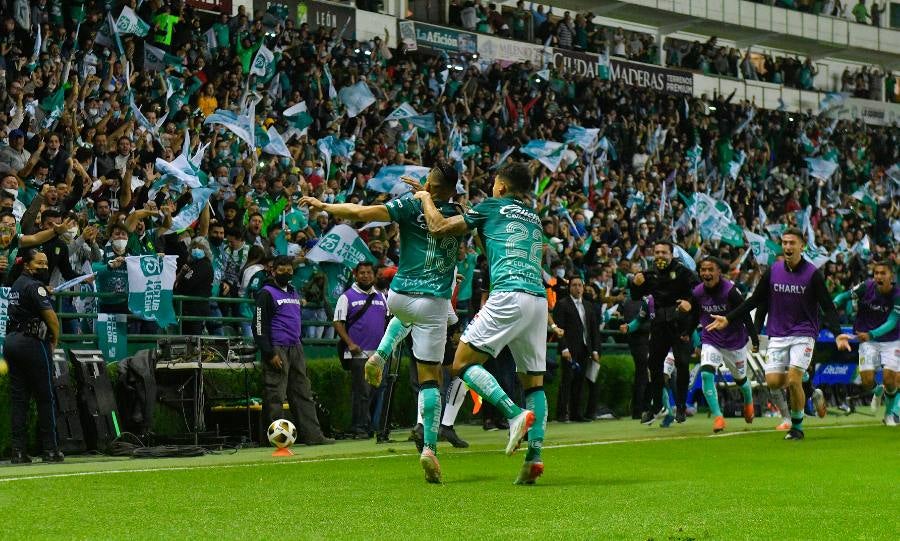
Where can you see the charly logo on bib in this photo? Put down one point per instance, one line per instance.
(150, 266)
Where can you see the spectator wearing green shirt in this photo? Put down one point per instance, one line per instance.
(222, 32)
(246, 50)
(163, 25)
(860, 13)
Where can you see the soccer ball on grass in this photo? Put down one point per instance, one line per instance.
(282, 433)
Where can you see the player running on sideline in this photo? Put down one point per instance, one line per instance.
(515, 313)
(419, 298)
(791, 292)
(718, 296)
(877, 327)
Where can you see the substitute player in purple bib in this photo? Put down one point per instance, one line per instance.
(515, 313)
(877, 327)
(791, 291)
(716, 296)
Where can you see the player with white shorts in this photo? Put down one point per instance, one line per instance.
(515, 314)
(877, 327)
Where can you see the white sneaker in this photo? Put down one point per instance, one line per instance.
(890, 420)
(518, 426)
(818, 399)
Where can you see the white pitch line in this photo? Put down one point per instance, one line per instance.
(396, 455)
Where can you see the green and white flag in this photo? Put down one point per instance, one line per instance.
(150, 282)
(52, 106)
(764, 250)
(264, 62)
(341, 245)
(155, 59)
(112, 336)
(129, 23)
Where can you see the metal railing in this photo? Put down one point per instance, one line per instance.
(179, 304)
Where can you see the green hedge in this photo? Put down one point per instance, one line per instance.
(332, 387)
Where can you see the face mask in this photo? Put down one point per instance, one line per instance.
(198, 253)
(93, 112)
(282, 278)
(307, 170)
(117, 114)
(119, 245)
(216, 241)
(285, 162)
(222, 180)
(560, 273)
(41, 275)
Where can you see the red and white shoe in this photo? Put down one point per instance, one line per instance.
(430, 464)
(530, 472)
(518, 426)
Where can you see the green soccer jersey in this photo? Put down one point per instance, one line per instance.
(512, 238)
(427, 263)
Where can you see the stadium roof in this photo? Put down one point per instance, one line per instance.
(743, 36)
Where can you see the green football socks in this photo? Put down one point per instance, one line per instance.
(891, 401)
(430, 407)
(747, 391)
(394, 334)
(797, 419)
(536, 401)
(482, 382)
(878, 390)
(710, 392)
(666, 405)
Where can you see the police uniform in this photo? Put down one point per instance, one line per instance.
(28, 350)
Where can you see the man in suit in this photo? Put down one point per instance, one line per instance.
(579, 347)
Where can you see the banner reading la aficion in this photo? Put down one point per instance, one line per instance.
(150, 282)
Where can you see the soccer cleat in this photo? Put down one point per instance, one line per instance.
(54, 455)
(529, 473)
(374, 368)
(718, 424)
(19, 457)
(647, 418)
(818, 399)
(448, 434)
(680, 416)
(431, 466)
(890, 420)
(667, 420)
(518, 426)
(785, 425)
(748, 413)
(691, 410)
(794, 434)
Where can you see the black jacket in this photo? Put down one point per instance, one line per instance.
(565, 315)
(668, 286)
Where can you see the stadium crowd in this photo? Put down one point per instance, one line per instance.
(94, 162)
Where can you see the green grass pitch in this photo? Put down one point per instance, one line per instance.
(604, 480)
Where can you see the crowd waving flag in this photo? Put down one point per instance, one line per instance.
(341, 244)
(150, 282)
(356, 98)
(549, 153)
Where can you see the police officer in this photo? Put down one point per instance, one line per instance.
(669, 282)
(32, 331)
(276, 328)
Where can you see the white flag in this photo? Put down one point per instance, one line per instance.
(263, 61)
(150, 282)
(130, 23)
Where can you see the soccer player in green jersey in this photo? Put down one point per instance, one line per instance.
(515, 313)
(419, 298)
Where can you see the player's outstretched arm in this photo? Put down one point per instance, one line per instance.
(437, 224)
(350, 211)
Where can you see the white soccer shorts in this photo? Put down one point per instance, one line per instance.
(789, 351)
(428, 317)
(514, 319)
(735, 360)
(875, 355)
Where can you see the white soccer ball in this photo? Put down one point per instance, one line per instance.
(282, 433)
